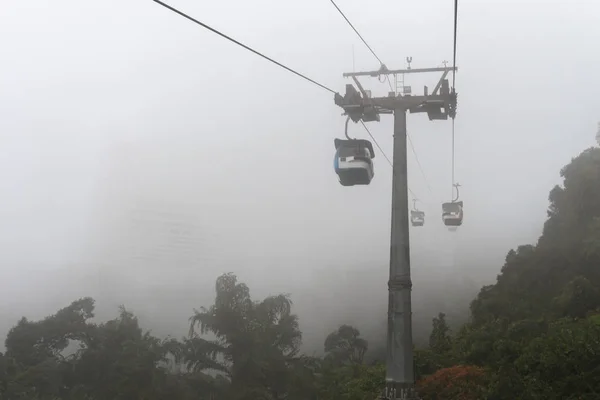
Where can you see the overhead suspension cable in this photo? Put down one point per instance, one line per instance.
(384, 155)
(391, 88)
(454, 84)
(452, 193)
(242, 45)
(454, 50)
(363, 40)
(377, 144)
(419, 164)
(355, 30)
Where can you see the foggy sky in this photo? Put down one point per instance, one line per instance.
(107, 105)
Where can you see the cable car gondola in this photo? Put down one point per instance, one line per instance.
(417, 217)
(452, 212)
(353, 162)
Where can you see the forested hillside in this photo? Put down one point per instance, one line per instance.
(534, 334)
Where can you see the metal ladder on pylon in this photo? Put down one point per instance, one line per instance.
(401, 89)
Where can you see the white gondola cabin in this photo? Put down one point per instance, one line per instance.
(452, 213)
(353, 162)
(417, 218)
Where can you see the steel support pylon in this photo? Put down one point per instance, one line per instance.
(440, 104)
(399, 363)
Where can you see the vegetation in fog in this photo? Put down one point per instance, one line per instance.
(533, 334)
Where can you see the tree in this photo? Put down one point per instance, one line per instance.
(564, 362)
(439, 339)
(66, 357)
(351, 381)
(119, 361)
(35, 351)
(345, 346)
(577, 298)
(255, 341)
(30, 343)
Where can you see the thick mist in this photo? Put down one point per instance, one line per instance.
(143, 156)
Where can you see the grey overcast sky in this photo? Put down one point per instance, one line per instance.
(106, 105)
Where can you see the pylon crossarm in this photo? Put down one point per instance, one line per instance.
(398, 71)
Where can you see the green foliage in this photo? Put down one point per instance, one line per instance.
(577, 298)
(516, 328)
(534, 334)
(113, 360)
(559, 276)
(254, 356)
(428, 362)
(345, 346)
(563, 364)
(352, 382)
(31, 343)
(368, 383)
(256, 341)
(439, 339)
